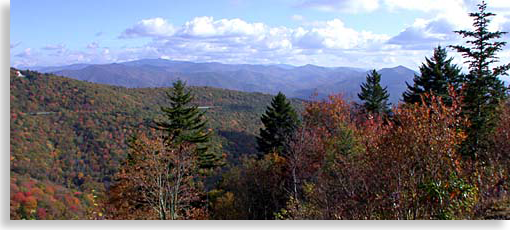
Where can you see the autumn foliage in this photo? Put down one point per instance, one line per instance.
(340, 164)
(43, 200)
(157, 181)
(407, 167)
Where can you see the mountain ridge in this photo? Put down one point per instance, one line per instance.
(294, 81)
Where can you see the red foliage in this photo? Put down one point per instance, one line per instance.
(374, 168)
(19, 197)
(41, 213)
(30, 203)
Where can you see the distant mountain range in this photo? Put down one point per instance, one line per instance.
(294, 81)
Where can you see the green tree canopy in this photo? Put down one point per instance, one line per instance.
(280, 122)
(374, 96)
(435, 75)
(483, 90)
(185, 123)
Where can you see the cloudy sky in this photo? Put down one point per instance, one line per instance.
(357, 33)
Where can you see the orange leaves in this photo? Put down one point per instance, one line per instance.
(276, 159)
(49, 190)
(30, 203)
(329, 113)
(36, 192)
(387, 159)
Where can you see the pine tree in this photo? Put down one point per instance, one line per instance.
(483, 91)
(280, 122)
(186, 124)
(436, 74)
(374, 96)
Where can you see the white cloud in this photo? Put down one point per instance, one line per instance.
(456, 11)
(27, 57)
(449, 16)
(326, 43)
(334, 35)
(501, 4)
(238, 41)
(151, 27)
(208, 27)
(106, 51)
(424, 5)
(93, 45)
(26, 53)
(345, 6)
(425, 34)
(54, 47)
(500, 22)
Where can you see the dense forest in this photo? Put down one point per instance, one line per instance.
(81, 150)
(73, 134)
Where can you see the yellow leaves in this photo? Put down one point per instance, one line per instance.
(461, 135)
(49, 145)
(275, 158)
(30, 203)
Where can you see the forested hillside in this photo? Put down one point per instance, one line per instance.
(203, 121)
(68, 137)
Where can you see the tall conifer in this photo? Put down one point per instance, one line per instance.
(435, 75)
(374, 96)
(280, 122)
(185, 123)
(483, 90)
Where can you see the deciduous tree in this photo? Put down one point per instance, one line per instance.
(157, 181)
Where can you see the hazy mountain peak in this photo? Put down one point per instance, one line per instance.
(294, 81)
(400, 69)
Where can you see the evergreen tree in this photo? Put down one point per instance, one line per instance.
(436, 74)
(374, 96)
(483, 90)
(186, 124)
(280, 122)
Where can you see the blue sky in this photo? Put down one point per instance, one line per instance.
(358, 33)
